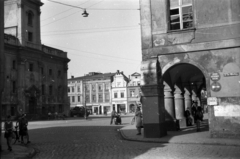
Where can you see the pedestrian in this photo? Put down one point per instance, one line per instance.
(194, 110)
(199, 117)
(23, 128)
(56, 115)
(49, 115)
(138, 120)
(8, 128)
(189, 117)
(113, 114)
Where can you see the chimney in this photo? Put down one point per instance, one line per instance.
(72, 76)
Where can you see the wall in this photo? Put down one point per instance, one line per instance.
(213, 45)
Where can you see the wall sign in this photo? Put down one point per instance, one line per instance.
(231, 74)
(216, 86)
(215, 76)
(212, 101)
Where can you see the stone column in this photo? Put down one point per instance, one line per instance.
(170, 119)
(179, 107)
(187, 99)
(152, 100)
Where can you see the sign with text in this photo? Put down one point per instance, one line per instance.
(215, 76)
(212, 101)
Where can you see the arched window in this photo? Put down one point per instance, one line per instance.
(30, 18)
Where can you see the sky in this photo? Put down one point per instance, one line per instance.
(109, 39)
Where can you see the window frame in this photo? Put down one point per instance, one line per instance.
(181, 22)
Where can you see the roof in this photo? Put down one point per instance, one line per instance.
(136, 74)
(97, 76)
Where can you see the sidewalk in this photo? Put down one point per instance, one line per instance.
(18, 152)
(184, 136)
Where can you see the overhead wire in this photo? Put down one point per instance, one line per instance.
(89, 32)
(93, 53)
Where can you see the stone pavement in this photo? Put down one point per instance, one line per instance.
(185, 136)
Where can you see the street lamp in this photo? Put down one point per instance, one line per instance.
(85, 14)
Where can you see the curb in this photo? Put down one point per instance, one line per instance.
(172, 142)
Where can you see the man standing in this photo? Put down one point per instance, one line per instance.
(23, 130)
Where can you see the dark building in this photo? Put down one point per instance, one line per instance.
(190, 52)
(35, 75)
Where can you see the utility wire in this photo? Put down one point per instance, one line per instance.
(94, 53)
(89, 32)
(95, 4)
(90, 29)
(67, 4)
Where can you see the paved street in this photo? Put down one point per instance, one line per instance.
(96, 139)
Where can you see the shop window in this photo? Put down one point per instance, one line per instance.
(181, 14)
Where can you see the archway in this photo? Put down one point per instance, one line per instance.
(183, 84)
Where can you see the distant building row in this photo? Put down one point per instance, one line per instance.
(101, 93)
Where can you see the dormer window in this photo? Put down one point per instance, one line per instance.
(30, 18)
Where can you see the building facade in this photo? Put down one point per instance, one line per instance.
(190, 48)
(92, 90)
(119, 92)
(134, 92)
(35, 75)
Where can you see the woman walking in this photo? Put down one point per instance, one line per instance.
(138, 120)
(8, 128)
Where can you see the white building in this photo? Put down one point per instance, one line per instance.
(119, 92)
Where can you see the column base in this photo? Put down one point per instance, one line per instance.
(172, 125)
(154, 130)
(182, 123)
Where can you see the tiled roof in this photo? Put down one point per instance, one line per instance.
(102, 75)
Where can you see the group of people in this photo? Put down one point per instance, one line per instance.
(194, 115)
(21, 124)
(116, 115)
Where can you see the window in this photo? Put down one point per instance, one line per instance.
(72, 89)
(122, 94)
(107, 97)
(50, 72)
(31, 67)
(14, 86)
(73, 99)
(78, 98)
(14, 64)
(68, 89)
(106, 86)
(42, 70)
(30, 18)
(87, 88)
(115, 95)
(59, 73)
(78, 88)
(132, 93)
(93, 98)
(100, 88)
(69, 99)
(118, 84)
(100, 98)
(30, 36)
(43, 89)
(50, 90)
(181, 14)
(94, 88)
(87, 98)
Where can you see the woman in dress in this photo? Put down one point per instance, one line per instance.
(138, 120)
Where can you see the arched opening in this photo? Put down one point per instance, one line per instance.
(183, 84)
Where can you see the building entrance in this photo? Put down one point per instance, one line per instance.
(183, 85)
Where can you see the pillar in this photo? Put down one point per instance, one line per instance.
(187, 99)
(152, 100)
(179, 107)
(170, 119)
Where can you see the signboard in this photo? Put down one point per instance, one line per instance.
(227, 111)
(212, 101)
(215, 76)
(230, 74)
(215, 86)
